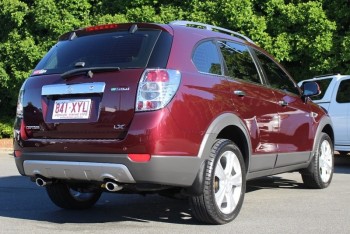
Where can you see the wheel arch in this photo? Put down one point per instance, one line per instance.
(325, 125)
(236, 135)
(226, 126)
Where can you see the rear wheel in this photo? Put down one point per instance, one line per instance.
(67, 197)
(224, 185)
(320, 171)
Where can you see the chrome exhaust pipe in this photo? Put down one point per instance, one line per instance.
(42, 182)
(112, 186)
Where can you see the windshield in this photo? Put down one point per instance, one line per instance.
(117, 49)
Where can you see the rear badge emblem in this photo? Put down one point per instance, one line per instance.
(119, 126)
(33, 127)
(69, 89)
(120, 89)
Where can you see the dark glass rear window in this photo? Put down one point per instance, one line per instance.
(343, 92)
(206, 58)
(115, 49)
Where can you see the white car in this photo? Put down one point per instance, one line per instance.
(335, 98)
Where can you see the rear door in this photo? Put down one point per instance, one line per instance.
(85, 87)
(101, 108)
(253, 102)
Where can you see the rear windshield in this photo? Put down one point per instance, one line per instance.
(115, 49)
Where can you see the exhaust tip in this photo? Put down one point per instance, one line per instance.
(42, 182)
(112, 186)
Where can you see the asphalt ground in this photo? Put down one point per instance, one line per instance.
(275, 204)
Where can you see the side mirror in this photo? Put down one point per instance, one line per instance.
(310, 88)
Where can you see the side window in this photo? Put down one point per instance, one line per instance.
(276, 77)
(324, 83)
(239, 62)
(343, 92)
(206, 58)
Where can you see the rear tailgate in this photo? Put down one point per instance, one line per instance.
(98, 108)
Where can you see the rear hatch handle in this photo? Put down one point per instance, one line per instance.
(87, 71)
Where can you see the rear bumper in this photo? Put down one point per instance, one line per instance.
(166, 170)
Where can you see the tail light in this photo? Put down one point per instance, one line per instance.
(156, 88)
(19, 112)
(23, 132)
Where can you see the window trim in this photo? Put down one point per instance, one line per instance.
(338, 88)
(280, 66)
(252, 57)
(214, 41)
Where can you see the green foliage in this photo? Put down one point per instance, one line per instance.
(302, 35)
(6, 128)
(339, 11)
(310, 37)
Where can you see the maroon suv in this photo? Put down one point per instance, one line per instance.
(181, 108)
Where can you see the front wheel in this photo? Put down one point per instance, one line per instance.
(67, 197)
(320, 171)
(224, 186)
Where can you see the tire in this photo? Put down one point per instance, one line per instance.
(65, 197)
(224, 185)
(320, 171)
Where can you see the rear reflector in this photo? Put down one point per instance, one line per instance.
(18, 153)
(139, 157)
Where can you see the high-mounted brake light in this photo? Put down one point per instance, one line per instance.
(101, 27)
(156, 88)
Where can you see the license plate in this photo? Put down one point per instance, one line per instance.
(72, 109)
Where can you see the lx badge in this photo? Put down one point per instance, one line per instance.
(119, 126)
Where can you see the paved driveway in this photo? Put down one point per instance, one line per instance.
(277, 204)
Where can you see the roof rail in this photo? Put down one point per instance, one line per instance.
(211, 27)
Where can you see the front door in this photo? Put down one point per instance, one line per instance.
(295, 122)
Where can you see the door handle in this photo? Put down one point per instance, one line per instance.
(283, 103)
(239, 93)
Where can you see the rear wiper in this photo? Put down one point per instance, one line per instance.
(88, 71)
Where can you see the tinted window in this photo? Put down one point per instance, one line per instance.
(343, 92)
(206, 58)
(324, 83)
(276, 77)
(121, 49)
(239, 62)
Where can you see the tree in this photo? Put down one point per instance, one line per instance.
(339, 11)
(308, 37)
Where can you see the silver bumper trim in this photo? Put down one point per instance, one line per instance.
(78, 170)
(64, 89)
